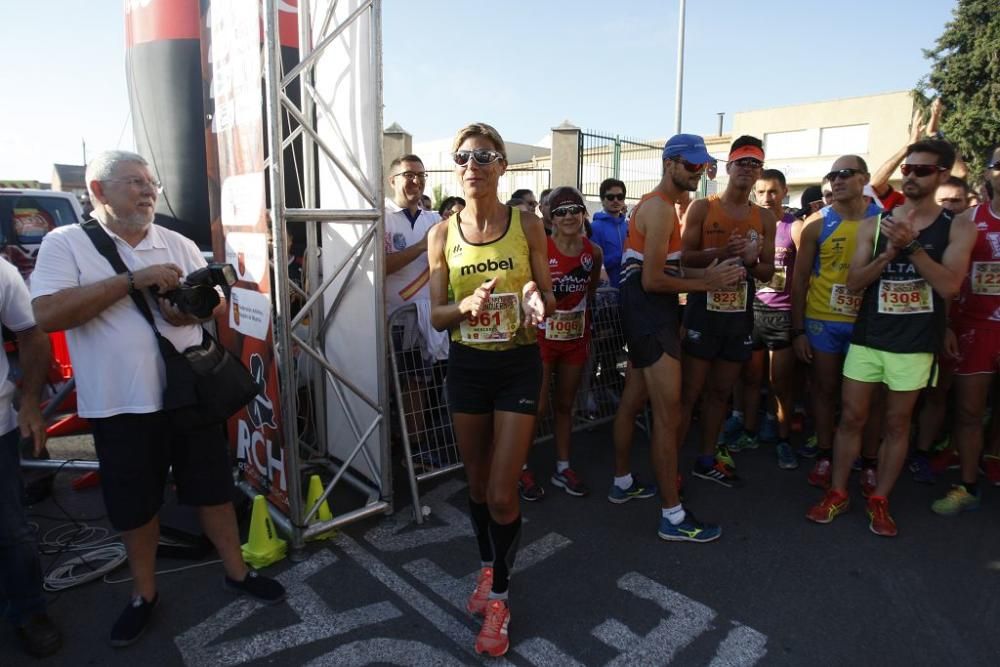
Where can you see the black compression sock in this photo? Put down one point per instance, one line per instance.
(506, 538)
(480, 515)
(868, 462)
(825, 454)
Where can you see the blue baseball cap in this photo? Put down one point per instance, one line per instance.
(689, 147)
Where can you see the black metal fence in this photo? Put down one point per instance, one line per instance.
(636, 163)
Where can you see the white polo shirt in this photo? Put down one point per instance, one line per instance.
(412, 281)
(16, 315)
(116, 361)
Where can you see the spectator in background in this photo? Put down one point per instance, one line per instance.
(527, 198)
(610, 226)
(426, 203)
(20, 570)
(545, 210)
(953, 195)
(812, 201)
(449, 206)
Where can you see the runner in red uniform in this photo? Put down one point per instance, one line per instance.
(564, 337)
(975, 339)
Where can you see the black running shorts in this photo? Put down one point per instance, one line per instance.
(482, 381)
(650, 322)
(772, 328)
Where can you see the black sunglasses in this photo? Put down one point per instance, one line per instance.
(693, 167)
(921, 170)
(612, 197)
(841, 173)
(480, 155)
(571, 209)
(747, 163)
(995, 166)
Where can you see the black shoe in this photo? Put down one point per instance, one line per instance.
(39, 636)
(133, 621)
(257, 586)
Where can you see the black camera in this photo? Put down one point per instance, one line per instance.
(198, 296)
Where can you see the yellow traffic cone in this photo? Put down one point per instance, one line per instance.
(264, 546)
(323, 514)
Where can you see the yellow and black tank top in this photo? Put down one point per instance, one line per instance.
(501, 325)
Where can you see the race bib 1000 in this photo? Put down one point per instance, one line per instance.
(905, 297)
(496, 323)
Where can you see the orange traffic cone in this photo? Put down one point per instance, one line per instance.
(323, 513)
(264, 546)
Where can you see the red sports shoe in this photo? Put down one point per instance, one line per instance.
(821, 473)
(493, 639)
(869, 480)
(991, 466)
(480, 596)
(833, 504)
(946, 460)
(881, 522)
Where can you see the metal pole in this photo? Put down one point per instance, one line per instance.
(282, 336)
(679, 96)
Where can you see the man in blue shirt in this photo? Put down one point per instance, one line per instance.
(610, 227)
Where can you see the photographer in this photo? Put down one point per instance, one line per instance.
(120, 377)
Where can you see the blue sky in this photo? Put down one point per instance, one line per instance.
(522, 65)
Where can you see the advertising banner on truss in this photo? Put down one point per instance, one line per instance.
(234, 131)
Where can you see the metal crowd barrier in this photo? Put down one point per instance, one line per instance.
(422, 418)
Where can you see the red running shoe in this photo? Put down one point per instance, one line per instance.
(480, 595)
(528, 488)
(821, 473)
(833, 504)
(991, 467)
(869, 480)
(493, 639)
(881, 522)
(946, 460)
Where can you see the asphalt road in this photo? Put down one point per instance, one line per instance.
(594, 584)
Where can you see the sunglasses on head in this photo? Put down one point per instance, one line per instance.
(620, 196)
(571, 209)
(480, 155)
(747, 163)
(693, 167)
(841, 173)
(921, 170)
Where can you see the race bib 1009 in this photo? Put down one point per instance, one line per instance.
(565, 325)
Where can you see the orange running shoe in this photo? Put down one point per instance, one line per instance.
(881, 522)
(833, 504)
(477, 601)
(493, 639)
(821, 473)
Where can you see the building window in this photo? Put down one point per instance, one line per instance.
(792, 144)
(848, 139)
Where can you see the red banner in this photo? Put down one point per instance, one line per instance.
(235, 145)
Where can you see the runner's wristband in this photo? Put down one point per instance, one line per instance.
(912, 247)
(131, 281)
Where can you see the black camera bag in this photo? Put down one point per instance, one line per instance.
(205, 384)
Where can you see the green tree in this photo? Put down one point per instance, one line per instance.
(965, 73)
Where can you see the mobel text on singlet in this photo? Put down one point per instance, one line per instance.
(489, 265)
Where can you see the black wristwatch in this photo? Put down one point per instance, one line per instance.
(912, 247)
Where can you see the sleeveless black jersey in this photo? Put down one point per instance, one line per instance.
(900, 312)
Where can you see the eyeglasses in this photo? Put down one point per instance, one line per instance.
(747, 163)
(921, 170)
(611, 196)
(951, 200)
(480, 155)
(563, 211)
(841, 173)
(412, 175)
(693, 167)
(137, 183)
